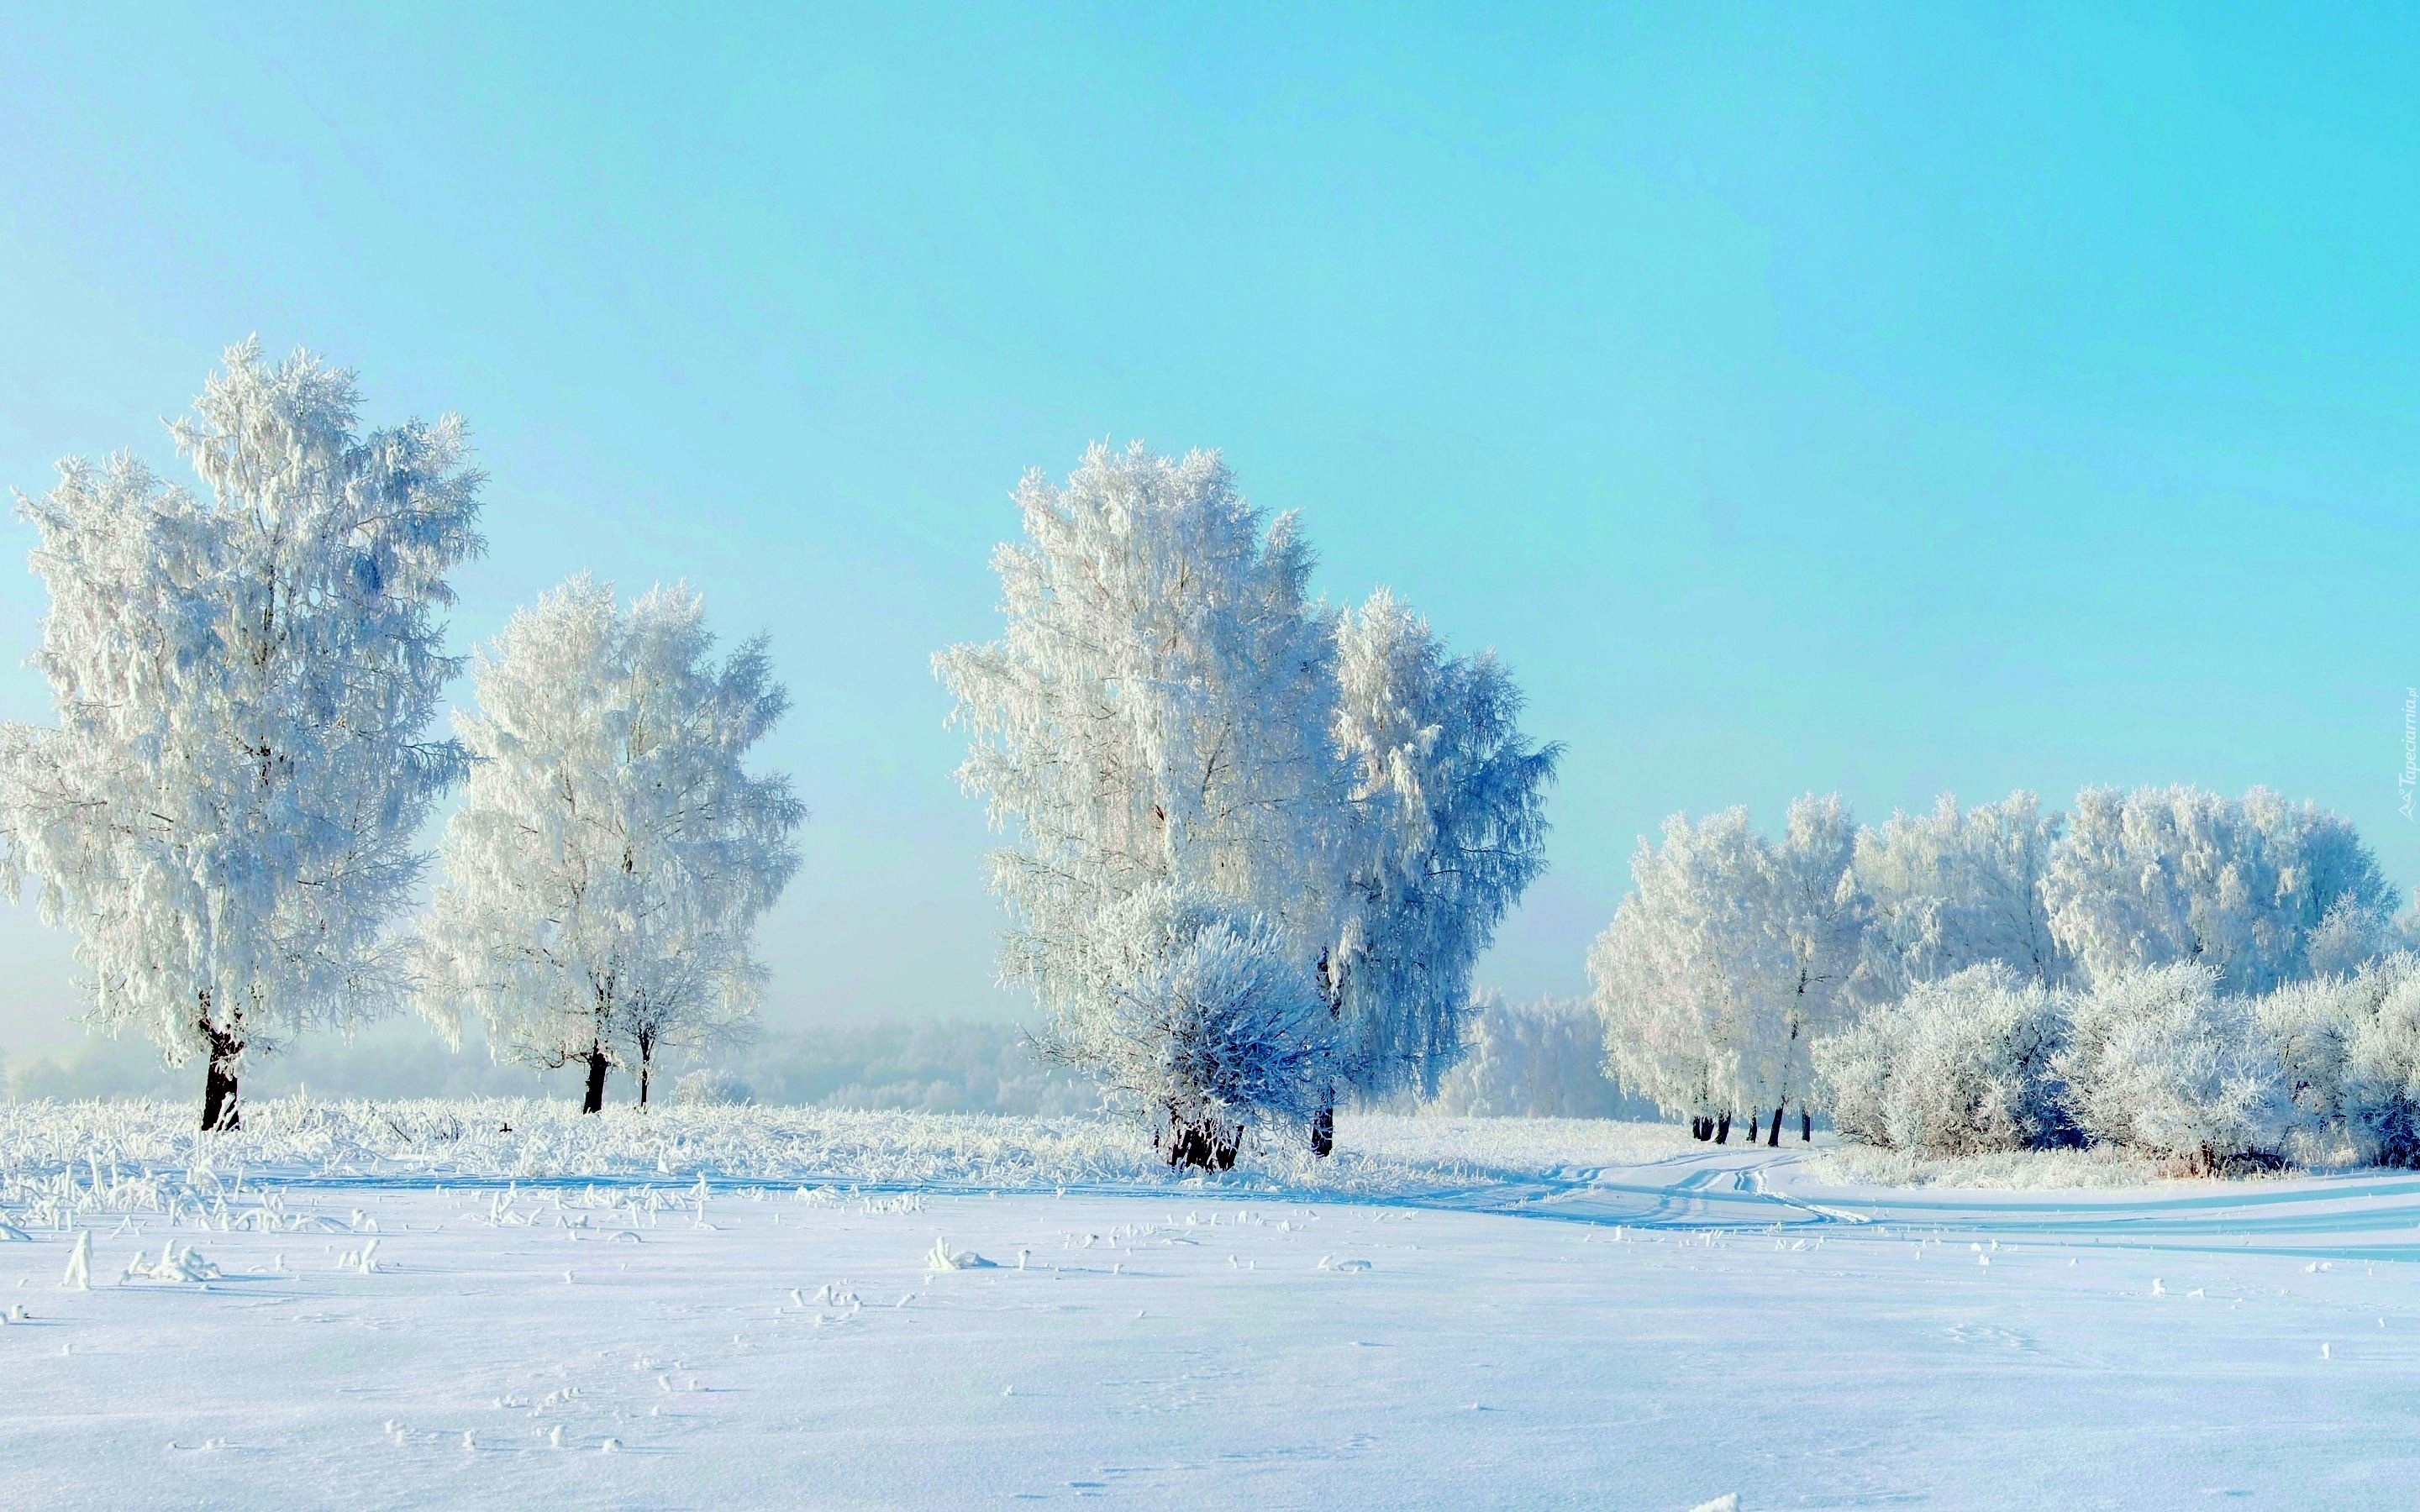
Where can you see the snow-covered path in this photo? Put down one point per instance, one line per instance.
(1710, 1322)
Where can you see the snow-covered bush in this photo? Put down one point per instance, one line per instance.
(1207, 1029)
(2383, 1067)
(2161, 1061)
(1957, 1066)
(2348, 1047)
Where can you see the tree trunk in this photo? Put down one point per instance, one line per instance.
(220, 1113)
(594, 1102)
(1698, 1129)
(1202, 1147)
(1323, 1132)
(1754, 1123)
(643, 1078)
(1723, 1130)
(1772, 1141)
(1806, 1127)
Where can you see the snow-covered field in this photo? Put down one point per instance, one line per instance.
(737, 1307)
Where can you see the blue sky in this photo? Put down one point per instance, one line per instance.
(1888, 399)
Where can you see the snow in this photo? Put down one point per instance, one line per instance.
(1491, 1313)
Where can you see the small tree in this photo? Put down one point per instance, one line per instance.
(1155, 721)
(604, 875)
(224, 815)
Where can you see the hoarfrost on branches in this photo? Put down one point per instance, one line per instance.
(1170, 715)
(224, 815)
(604, 875)
(1730, 957)
(1452, 808)
(1956, 888)
(2260, 889)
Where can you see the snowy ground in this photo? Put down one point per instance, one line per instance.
(1505, 1315)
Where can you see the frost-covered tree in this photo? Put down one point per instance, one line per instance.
(2251, 887)
(1955, 888)
(604, 875)
(1156, 717)
(1728, 959)
(224, 815)
(1169, 713)
(1452, 806)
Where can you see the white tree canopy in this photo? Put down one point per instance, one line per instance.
(1451, 801)
(1732, 954)
(2248, 887)
(1168, 710)
(605, 873)
(1156, 711)
(224, 815)
(1956, 888)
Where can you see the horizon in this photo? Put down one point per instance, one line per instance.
(1970, 404)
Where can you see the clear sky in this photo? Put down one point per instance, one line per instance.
(1890, 399)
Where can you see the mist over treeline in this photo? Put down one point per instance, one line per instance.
(1542, 1059)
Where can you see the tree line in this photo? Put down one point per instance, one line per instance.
(1253, 845)
(2205, 978)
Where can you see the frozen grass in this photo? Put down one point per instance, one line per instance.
(1516, 1147)
(2027, 1170)
(135, 1155)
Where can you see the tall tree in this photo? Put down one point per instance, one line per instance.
(1451, 798)
(224, 815)
(1182, 741)
(1156, 719)
(605, 873)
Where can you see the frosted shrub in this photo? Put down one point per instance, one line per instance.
(2382, 1084)
(2161, 1062)
(1207, 1028)
(2311, 1027)
(2350, 1050)
(1957, 1066)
